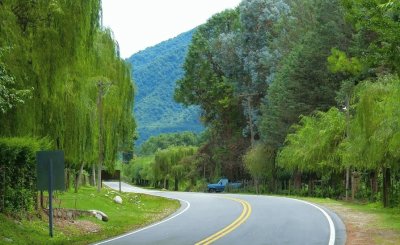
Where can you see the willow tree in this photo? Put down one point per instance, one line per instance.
(9, 96)
(117, 101)
(58, 49)
(374, 139)
(169, 163)
(258, 166)
(313, 147)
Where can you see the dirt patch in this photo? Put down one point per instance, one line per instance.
(72, 226)
(360, 227)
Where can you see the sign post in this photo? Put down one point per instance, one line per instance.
(50, 176)
(51, 198)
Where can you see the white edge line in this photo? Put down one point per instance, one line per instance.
(332, 235)
(150, 226)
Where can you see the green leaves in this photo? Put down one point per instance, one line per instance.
(9, 96)
(377, 24)
(339, 62)
(374, 130)
(314, 144)
(59, 49)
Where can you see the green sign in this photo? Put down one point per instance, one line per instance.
(43, 161)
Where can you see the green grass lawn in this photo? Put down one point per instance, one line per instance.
(137, 210)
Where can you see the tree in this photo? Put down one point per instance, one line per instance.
(313, 147)
(170, 163)
(9, 96)
(375, 130)
(206, 85)
(59, 49)
(256, 163)
(377, 25)
(248, 57)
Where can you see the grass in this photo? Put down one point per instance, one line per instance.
(137, 210)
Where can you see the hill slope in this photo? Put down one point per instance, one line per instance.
(155, 71)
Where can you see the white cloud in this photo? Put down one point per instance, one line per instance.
(138, 24)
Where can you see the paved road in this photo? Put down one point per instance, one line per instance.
(237, 219)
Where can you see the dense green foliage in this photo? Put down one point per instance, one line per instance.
(163, 141)
(314, 145)
(77, 91)
(175, 167)
(155, 71)
(270, 76)
(18, 173)
(204, 84)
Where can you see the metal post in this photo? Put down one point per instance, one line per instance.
(51, 198)
(120, 183)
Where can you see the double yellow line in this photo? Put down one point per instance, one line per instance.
(235, 224)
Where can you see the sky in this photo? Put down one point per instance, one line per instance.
(138, 24)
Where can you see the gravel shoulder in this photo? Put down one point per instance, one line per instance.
(364, 228)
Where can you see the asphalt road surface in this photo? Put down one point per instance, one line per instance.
(221, 218)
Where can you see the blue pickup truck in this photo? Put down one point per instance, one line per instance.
(222, 184)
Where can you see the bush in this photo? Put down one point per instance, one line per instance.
(18, 173)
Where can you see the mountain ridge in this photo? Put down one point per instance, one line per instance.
(155, 71)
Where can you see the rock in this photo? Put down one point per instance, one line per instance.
(99, 215)
(6, 239)
(118, 199)
(69, 214)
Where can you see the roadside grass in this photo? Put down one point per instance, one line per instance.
(136, 210)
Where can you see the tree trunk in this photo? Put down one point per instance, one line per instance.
(310, 185)
(41, 200)
(250, 121)
(355, 183)
(386, 186)
(347, 136)
(347, 183)
(101, 133)
(256, 185)
(297, 180)
(176, 184)
(373, 183)
(79, 178)
(67, 179)
(94, 175)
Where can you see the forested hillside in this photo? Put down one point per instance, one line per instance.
(301, 96)
(155, 71)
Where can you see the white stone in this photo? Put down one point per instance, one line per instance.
(99, 215)
(118, 199)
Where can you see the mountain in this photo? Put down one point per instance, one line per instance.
(155, 71)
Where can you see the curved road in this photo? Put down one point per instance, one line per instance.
(237, 219)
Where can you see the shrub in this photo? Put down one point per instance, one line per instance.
(18, 173)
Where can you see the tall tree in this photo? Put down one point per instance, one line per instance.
(59, 49)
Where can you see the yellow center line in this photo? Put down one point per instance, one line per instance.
(235, 224)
